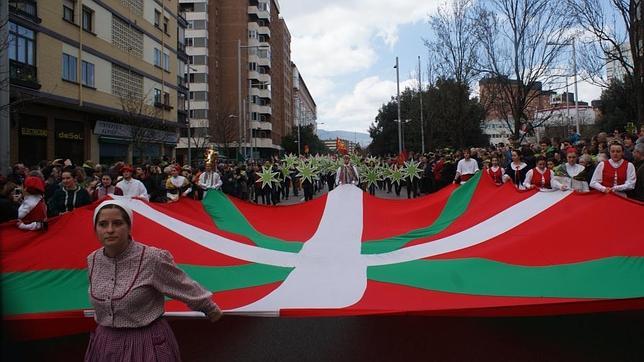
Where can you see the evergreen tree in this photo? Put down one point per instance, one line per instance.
(617, 105)
(452, 119)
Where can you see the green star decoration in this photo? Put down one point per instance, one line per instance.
(372, 176)
(385, 171)
(372, 160)
(290, 160)
(412, 170)
(362, 168)
(355, 159)
(395, 175)
(268, 177)
(314, 162)
(327, 165)
(285, 171)
(307, 172)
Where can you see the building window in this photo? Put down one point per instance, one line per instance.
(157, 96)
(157, 18)
(87, 21)
(21, 44)
(197, 42)
(197, 24)
(68, 10)
(157, 57)
(166, 99)
(87, 74)
(263, 53)
(166, 62)
(166, 24)
(198, 59)
(199, 96)
(69, 67)
(252, 66)
(199, 113)
(198, 78)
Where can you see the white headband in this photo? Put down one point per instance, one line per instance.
(118, 203)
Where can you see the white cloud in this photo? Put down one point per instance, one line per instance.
(338, 38)
(358, 109)
(588, 92)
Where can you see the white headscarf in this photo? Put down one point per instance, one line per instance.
(118, 203)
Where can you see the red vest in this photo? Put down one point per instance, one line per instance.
(496, 175)
(609, 172)
(38, 213)
(537, 178)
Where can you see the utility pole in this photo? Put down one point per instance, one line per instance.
(239, 98)
(422, 121)
(189, 101)
(574, 66)
(398, 101)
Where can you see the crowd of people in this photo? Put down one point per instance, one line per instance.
(607, 163)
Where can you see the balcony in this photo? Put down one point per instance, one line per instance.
(25, 8)
(181, 19)
(253, 74)
(264, 30)
(262, 93)
(260, 14)
(266, 126)
(263, 142)
(23, 75)
(266, 62)
(182, 84)
(261, 109)
(264, 78)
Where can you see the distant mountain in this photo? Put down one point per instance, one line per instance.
(362, 138)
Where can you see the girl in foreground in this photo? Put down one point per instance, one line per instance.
(127, 284)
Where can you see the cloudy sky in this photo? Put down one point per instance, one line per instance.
(346, 50)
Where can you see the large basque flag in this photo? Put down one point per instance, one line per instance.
(472, 250)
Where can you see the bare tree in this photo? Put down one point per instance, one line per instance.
(520, 42)
(616, 30)
(199, 142)
(223, 128)
(455, 43)
(143, 119)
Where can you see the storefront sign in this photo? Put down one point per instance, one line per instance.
(70, 136)
(35, 132)
(124, 131)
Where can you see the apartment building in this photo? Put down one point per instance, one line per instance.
(95, 79)
(498, 109)
(304, 107)
(240, 77)
(615, 69)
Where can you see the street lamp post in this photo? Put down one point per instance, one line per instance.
(189, 135)
(574, 69)
(398, 101)
(299, 141)
(422, 121)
